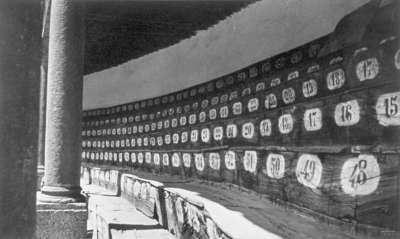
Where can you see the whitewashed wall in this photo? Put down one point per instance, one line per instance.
(261, 30)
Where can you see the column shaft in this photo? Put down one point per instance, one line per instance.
(64, 100)
(20, 25)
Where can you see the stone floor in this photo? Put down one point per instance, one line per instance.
(111, 216)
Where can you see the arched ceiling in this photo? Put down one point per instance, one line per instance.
(122, 30)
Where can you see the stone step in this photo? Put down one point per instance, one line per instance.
(114, 217)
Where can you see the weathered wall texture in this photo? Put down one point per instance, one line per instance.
(316, 126)
(262, 30)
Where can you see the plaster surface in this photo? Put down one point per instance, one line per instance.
(261, 30)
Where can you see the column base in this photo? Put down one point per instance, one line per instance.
(51, 194)
(61, 220)
(44, 198)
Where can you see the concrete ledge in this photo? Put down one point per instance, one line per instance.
(61, 221)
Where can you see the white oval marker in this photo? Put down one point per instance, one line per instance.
(388, 109)
(218, 133)
(165, 160)
(265, 127)
(288, 95)
(248, 130)
(199, 161)
(271, 101)
(156, 158)
(275, 166)
(285, 123)
(250, 161)
(230, 160)
(360, 176)
(347, 113)
(335, 79)
(309, 170)
(186, 160)
(231, 131)
(367, 69)
(214, 161)
(310, 88)
(205, 135)
(176, 161)
(312, 119)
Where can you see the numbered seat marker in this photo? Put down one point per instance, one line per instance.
(347, 113)
(387, 109)
(275, 166)
(309, 170)
(360, 175)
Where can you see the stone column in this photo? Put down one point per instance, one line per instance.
(20, 24)
(61, 208)
(43, 86)
(64, 102)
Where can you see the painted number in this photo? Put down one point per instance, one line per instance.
(265, 127)
(167, 139)
(156, 158)
(310, 88)
(184, 137)
(275, 166)
(165, 159)
(186, 160)
(194, 136)
(140, 158)
(205, 135)
(176, 161)
(213, 114)
(309, 170)
(230, 160)
(231, 131)
(175, 138)
(335, 79)
(253, 105)
(237, 108)
(288, 95)
(183, 120)
(192, 119)
(387, 109)
(347, 113)
(202, 117)
(218, 133)
(250, 161)
(285, 123)
(223, 112)
(214, 161)
(271, 101)
(367, 69)
(248, 130)
(360, 176)
(312, 119)
(147, 156)
(199, 162)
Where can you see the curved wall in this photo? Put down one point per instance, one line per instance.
(263, 29)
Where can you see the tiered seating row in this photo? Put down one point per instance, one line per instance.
(317, 131)
(180, 215)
